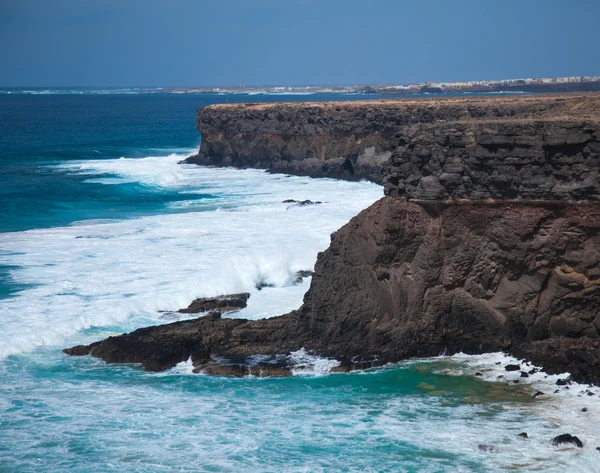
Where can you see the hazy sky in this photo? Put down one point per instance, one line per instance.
(291, 42)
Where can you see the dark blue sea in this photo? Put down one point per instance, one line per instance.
(103, 230)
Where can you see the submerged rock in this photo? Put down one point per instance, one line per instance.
(260, 285)
(488, 448)
(301, 203)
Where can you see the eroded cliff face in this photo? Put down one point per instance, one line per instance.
(315, 140)
(488, 239)
(546, 159)
(349, 140)
(470, 277)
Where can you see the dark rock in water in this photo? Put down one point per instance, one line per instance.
(300, 275)
(563, 382)
(523, 435)
(566, 439)
(585, 409)
(478, 374)
(488, 448)
(222, 304)
(598, 448)
(512, 367)
(202, 339)
(524, 374)
(516, 381)
(538, 393)
(533, 371)
(301, 203)
(260, 285)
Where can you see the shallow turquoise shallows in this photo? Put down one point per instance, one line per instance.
(103, 231)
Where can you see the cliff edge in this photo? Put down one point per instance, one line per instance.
(488, 237)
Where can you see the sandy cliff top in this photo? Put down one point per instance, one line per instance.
(555, 106)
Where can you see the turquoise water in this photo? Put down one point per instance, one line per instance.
(101, 230)
(120, 417)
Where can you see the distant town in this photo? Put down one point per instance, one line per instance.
(538, 85)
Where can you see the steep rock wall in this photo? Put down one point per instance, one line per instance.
(349, 140)
(405, 279)
(549, 159)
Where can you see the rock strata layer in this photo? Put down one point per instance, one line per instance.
(488, 237)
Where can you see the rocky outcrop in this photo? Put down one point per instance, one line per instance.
(220, 304)
(162, 347)
(488, 239)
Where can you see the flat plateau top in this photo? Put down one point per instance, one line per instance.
(565, 106)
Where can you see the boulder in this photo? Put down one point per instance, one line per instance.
(565, 439)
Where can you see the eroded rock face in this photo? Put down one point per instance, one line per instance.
(350, 140)
(488, 237)
(471, 277)
(478, 160)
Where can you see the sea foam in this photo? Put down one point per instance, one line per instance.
(119, 275)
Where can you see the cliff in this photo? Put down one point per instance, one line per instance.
(350, 140)
(488, 237)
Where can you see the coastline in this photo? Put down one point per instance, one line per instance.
(114, 276)
(352, 309)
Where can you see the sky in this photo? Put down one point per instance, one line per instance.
(213, 43)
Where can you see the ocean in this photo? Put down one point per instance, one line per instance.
(103, 231)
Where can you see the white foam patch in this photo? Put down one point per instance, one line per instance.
(122, 273)
(305, 364)
(181, 368)
(561, 409)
